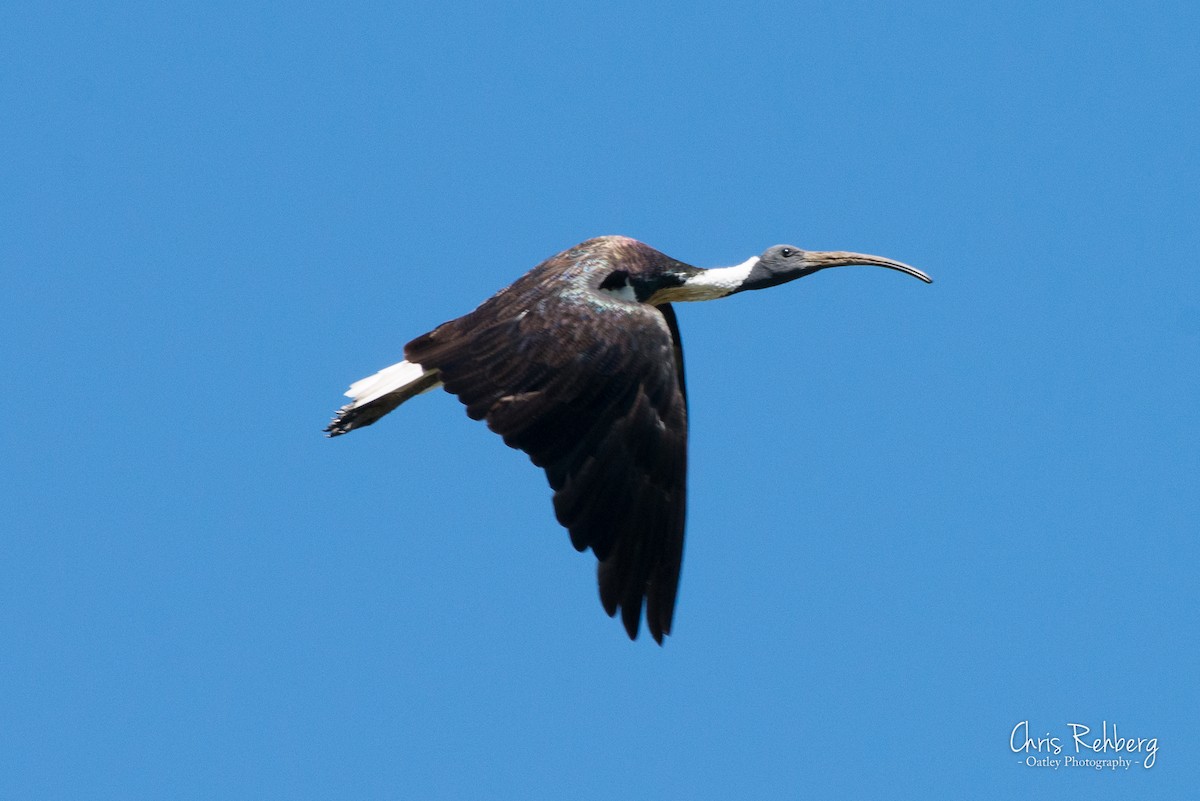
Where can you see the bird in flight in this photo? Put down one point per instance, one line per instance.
(579, 364)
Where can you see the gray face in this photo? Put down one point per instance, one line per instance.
(784, 263)
(776, 265)
(782, 258)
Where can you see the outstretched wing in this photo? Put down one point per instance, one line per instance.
(590, 385)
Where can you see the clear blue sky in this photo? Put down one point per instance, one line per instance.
(919, 515)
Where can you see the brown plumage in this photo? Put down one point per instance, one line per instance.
(579, 364)
(590, 385)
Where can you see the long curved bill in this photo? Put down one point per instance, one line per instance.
(820, 259)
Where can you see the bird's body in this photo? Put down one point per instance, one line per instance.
(579, 364)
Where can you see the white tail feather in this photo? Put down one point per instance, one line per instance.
(385, 382)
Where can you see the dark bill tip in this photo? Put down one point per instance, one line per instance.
(838, 258)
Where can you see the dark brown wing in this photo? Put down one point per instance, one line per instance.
(591, 387)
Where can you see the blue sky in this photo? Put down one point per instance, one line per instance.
(919, 515)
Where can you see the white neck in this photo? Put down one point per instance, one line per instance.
(710, 284)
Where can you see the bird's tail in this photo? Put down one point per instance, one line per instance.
(374, 396)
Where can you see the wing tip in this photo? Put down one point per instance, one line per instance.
(631, 617)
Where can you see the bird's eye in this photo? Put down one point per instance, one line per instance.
(786, 252)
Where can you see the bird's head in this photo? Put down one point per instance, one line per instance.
(783, 263)
(777, 265)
